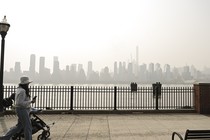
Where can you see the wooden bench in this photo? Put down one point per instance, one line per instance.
(194, 134)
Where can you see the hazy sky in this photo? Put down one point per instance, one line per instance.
(176, 32)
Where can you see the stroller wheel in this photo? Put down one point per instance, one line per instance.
(41, 137)
(44, 135)
(47, 134)
(16, 138)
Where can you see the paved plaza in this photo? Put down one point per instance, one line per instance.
(115, 126)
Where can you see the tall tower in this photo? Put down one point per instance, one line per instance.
(90, 69)
(41, 65)
(56, 68)
(56, 75)
(17, 68)
(32, 65)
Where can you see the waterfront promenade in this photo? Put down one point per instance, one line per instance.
(136, 126)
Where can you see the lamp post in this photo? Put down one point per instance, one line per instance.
(4, 27)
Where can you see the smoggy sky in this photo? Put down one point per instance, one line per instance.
(175, 32)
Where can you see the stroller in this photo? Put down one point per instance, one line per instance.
(37, 123)
(8, 102)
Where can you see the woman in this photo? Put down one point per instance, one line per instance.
(23, 106)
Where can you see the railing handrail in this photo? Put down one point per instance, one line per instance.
(109, 98)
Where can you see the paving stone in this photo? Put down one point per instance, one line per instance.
(115, 126)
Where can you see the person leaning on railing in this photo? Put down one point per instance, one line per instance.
(22, 106)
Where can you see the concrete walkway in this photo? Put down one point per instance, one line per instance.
(115, 126)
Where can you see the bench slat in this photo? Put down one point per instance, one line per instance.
(193, 134)
(198, 131)
(197, 134)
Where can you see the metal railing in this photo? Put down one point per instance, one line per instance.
(109, 98)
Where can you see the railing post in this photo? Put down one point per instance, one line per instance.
(72, 95)
(115, 98)
(156, 93)
(156, 96)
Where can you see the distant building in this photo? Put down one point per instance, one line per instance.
(32, 67)
(17, 71)
(115, 76)
(105, 75)
(89, 69)
(44, 73)
(151, 73)
(42, 65)
(167, 73)
(143, 73)
(56, 75)
(81, 77)
(17, 68)
(56, 66)
(186, 73)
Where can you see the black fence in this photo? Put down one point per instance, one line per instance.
(109, 98)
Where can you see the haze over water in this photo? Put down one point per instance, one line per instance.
(174, 32)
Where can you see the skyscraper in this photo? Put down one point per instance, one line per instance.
(80, 67)
(41, 65)
(56, 68)
(90, 69)
(151, 68)
(56, 74)
(32, 70)
(44, 73)
(17, 68)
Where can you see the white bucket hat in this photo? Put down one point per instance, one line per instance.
(24, 80)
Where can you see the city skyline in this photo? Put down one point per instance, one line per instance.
(36, 64)
(166, 31)
(123, 73)
(134, 58)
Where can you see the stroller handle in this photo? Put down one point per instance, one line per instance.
(35, 111)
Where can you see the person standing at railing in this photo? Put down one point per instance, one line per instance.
(22, 106)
